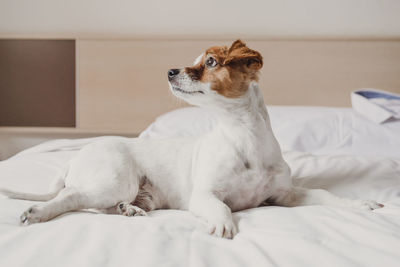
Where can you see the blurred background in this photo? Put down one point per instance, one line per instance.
(207, 18)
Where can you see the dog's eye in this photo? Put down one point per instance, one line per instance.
(211, 62)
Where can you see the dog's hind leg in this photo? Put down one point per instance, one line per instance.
(129, 210)
(73, 198)
(69, 199)
(146, 200)
(299, 196)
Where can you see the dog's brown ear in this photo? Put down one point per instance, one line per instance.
(236, 44)
(239, 52)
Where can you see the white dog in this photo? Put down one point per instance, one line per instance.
(236, 166)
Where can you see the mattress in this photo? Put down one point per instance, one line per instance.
(331, 148)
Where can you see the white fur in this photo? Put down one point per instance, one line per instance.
(238, 165)
(198, 59)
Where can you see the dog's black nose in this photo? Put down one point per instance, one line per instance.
(172, 73)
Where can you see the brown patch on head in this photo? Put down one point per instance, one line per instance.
(236, 67)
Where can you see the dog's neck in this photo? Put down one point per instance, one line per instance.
(246, 111)
(245, 123)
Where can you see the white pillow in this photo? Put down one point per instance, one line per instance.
(311, 129)
(319, 130)
(296, 128)
(192, 121)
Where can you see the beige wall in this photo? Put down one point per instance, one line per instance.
(250, 18)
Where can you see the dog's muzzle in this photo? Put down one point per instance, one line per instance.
(172, 73)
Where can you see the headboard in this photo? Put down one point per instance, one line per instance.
(121, 85)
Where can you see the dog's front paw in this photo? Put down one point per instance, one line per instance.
(367, 204)
(226, 229)
(30, 216)
(127, 209)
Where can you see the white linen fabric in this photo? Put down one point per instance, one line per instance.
(357, 159)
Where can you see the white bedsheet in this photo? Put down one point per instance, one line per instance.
(268, 236)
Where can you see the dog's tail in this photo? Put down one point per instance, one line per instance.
(55, 188)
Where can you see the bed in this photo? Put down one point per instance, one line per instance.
(336, 149)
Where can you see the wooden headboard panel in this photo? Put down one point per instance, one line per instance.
(115, 86)
(122, 84)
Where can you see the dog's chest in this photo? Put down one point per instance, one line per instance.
(249, 187)
(250, 179)
(239, 164)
